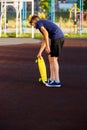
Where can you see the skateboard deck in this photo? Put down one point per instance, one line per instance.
(42, 69)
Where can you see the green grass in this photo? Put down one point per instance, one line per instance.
(27, 35)
(39, 35)
(77, 35)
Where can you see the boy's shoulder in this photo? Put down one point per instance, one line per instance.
(43, 21)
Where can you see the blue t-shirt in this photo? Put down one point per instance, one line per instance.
(53, 30)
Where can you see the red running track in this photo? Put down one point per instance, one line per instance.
(26, 104)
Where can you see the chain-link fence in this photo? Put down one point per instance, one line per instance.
(63, 19)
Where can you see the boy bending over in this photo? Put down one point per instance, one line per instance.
(50, 31)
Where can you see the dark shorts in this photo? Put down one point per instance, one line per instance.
(56, 47)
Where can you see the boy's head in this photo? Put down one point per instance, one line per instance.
(33, 20)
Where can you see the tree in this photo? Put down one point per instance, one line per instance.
(44, 4)
(78, 3)
(85, 5)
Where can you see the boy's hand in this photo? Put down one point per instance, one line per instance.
(39, 55)
(47, 50)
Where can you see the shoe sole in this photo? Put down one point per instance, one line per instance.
(53, 86)
(45, 83)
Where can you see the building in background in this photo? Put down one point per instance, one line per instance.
(65, 5)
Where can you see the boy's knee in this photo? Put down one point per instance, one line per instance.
(53, 59)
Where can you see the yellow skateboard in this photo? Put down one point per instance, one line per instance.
(42, 69)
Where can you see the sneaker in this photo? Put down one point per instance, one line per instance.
(48, 81)
(53, 84)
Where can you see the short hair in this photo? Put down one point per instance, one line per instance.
(34, 17)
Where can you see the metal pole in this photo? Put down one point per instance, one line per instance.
(32, 14)
(53, 6)
(17, 20)
(5, 14)
(1, 20)
(52, 10)
(81, 15)
(25, 10)
(20, 18)
(1, 17)
(25, 16)
(75, 6)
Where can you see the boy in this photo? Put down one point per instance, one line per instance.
(50, 31)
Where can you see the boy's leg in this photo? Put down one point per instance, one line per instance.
(56, 47)
(54, 68)
(52, 74)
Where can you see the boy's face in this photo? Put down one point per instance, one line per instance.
(33, 23)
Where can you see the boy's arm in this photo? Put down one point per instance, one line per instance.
(46, 38)
(43, 46)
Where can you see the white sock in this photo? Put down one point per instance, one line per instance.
(57, 81)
